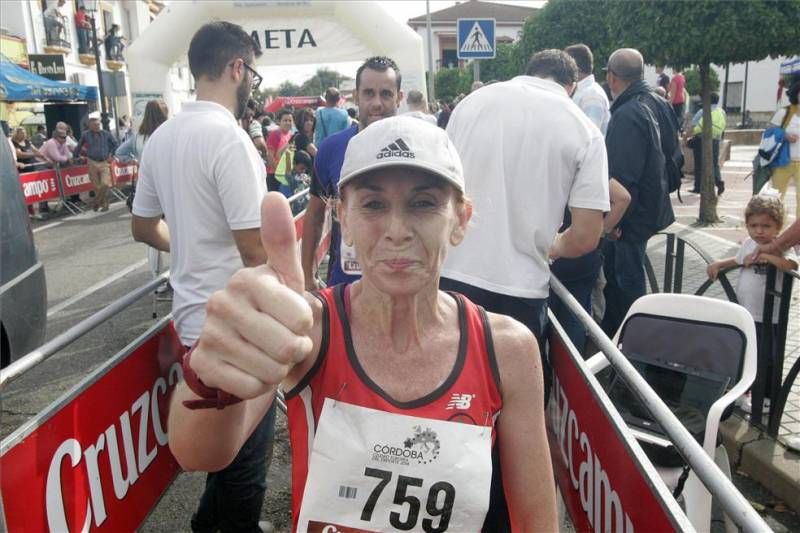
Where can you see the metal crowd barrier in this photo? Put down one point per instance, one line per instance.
(50, 348)
(59, 182)
(722, 489)
(772, 342)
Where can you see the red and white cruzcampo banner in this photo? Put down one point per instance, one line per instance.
(99, 462)
(75, 179)
(39, 186)
(122, 173)
(97, 459)
(604, 477)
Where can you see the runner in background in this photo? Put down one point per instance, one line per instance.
(393, 387)
(377, 95)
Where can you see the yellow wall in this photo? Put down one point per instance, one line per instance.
(14, 49)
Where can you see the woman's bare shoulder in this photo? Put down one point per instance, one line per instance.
(516, 351)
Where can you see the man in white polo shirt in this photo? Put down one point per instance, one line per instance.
(201, 171)
(547, 155)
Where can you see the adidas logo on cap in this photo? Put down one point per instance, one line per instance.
(398, 148)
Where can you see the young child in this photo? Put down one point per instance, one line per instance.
(763, 217)
(299, 178)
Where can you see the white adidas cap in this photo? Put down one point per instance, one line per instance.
(403, 141)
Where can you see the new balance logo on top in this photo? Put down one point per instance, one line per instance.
(459, 401)
(398, 148)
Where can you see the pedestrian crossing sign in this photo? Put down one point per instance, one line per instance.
(476, 39)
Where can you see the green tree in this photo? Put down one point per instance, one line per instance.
(503, 67)
(320, 81)
(694, 85)
(561, 23)
(288, 88)
(313, 86)
(450, 82)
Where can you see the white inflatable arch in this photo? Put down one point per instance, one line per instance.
(290, 32)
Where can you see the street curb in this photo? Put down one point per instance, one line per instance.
(765, 460)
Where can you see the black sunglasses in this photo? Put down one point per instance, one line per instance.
(256, 76)
(256, 81)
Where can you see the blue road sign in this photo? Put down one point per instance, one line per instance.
(476, 39)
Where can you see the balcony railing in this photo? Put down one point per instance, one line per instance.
(56, 32)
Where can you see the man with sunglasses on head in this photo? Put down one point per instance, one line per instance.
(201, 171)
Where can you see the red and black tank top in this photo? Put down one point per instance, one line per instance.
(470, 394)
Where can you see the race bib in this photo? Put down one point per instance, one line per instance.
(376, 471)
(348, 259)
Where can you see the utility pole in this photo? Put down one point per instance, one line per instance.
(431, 72)
(744, 97)
(100, 88)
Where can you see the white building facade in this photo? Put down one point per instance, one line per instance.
(752, 86)
(25, 19)
(509, 21)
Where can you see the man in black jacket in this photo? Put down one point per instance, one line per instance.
(636, 160)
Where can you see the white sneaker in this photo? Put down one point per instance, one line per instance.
(793, 443)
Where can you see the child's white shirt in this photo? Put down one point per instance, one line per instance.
(752, 283)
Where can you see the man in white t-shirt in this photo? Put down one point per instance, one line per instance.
(546, 156)
(201, 171)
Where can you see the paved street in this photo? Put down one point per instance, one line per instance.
(92, 260)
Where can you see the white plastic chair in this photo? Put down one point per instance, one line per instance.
(700, 332)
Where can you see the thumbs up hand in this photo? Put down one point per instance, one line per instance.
(258, 327)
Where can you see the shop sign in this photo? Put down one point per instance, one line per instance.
(50, 66)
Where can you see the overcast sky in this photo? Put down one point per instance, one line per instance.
(402, 10)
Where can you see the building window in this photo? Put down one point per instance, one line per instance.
(108, 20)
(733, 96)
(126, 20)
(56, 25)
(450, 58)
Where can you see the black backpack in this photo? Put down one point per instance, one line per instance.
(670, 144)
